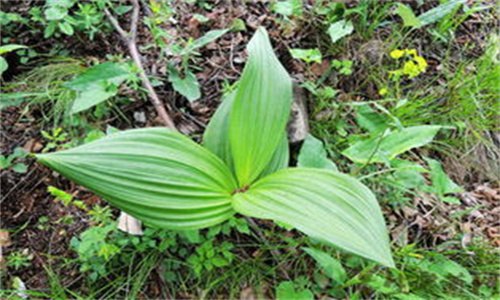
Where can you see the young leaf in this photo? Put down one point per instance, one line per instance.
(216, 135)
(370, 120)
(409, 18)
(10, 47)
(260, 110)
(313, 155)
(187, 86)
(439, 12)
(156, 175)
(326, 205)
(442, 185)
(96, 85)
(331, 267)
(307, 55)
(3, 65)
(340, 29)
(216, 139)
(209, 37)
(287, 291)
(384, 148)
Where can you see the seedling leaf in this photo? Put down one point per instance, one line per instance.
(331, 267)
(313, 155)
(340, 29)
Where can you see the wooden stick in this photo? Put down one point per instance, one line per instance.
(129, 38)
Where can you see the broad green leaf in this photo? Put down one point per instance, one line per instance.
(260, 110)
(331, 266)
(156, 175)
(370, 120)
(287, 291)
(105, 72)
(97, 84)
(187, 86)
(207, 38)
(20, 168)
(216, 139)
(216, 135)
(408, 174)
(280, 159)
(385, 148)
(442, 185)
(55, 13)
(323, 204)
(313, 155)
(409, 18)
(340, 29)
(66, 28)
(3, 65)
(10, 47)
(94, 95)
(439, 12)
(307, 55)
(288, 8)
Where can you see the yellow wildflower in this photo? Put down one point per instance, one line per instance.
(397, 53)
(411, 69)
(421, 63)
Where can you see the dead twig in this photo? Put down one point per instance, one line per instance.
(130, 39)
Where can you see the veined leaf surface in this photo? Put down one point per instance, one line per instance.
(385, 148)
(216, 139)
(156, 175)
(324, 204)
(260, 110)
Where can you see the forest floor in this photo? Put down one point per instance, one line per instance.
(59, 240)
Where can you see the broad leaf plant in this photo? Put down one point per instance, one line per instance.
(166, 180)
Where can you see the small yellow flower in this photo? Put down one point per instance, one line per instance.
(421, 63)
(383, 91)
(411, 69)
(397, 53)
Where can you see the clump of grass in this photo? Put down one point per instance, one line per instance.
(43, 87)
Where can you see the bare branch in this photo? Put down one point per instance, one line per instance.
(130, 41)
(135, 19)
(114, 22)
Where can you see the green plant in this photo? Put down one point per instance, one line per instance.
(344, 67)
(65, 198)
(208, 256)
(6, 49)
(307, 55)
(184, 81)
(19, 259)
(11, 161)
(287, 290)
(168, 181)
(56, 138)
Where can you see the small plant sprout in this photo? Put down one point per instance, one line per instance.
(166, 180)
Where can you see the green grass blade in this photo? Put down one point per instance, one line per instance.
(156, 175)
